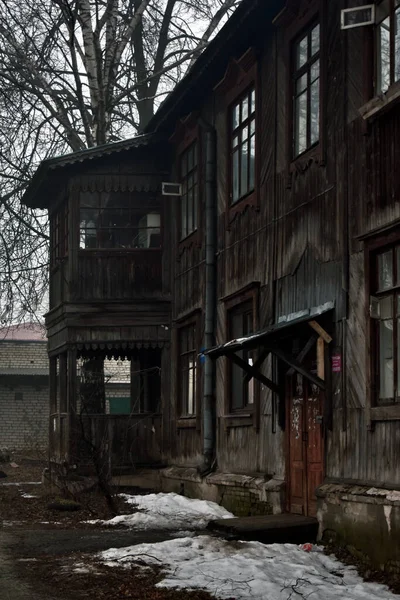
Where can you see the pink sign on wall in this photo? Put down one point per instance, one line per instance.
(336, 363)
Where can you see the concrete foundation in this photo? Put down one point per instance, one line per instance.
(364, 519)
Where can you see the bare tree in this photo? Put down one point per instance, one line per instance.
(75, 74)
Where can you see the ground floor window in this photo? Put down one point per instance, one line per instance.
(240, 324)
(187, 372)
(385, 313)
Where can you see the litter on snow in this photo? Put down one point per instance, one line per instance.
(168, 511)
(250, 570)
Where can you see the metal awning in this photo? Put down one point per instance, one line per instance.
(267, 340)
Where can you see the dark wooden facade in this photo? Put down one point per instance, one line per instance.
(301, 243)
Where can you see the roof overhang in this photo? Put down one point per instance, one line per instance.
(55, 169)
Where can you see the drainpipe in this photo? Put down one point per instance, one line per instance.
(209, 416)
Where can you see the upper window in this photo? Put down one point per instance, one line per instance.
(388, 44)
(385, 310)
(188, 370)
(243, 145)
(306, 90)
(113, 220)
(240, 323)
(190, 190)
(59, 234)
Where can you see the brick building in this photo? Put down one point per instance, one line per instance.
(24, 388)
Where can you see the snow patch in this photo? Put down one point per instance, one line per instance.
(168, 511)
(244, 570)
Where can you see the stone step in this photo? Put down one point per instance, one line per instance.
(268, 529)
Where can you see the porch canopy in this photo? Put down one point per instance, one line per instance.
(273, 340)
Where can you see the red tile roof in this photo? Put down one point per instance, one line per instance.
(31, 332)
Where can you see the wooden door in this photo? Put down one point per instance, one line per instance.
(305, 458)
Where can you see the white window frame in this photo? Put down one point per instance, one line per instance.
(356, 9)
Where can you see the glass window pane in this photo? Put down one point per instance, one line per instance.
(397, 45)
(301, 84)
(315, 40)
(252, 126)
(235, 141)
(385, 270)
(235, 176)
(235, 116)
(301, 124)
(191, 389)
(244, 169)
(301, 52)
(253, 100)
(386, 378)
(386, 307)
(250, 385)
(383, 58)
(314, 112)
(245, 108)
(314, 71)
(184, 228)
(252, 163)
(245, 133)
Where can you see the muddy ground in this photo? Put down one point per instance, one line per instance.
(40, 546)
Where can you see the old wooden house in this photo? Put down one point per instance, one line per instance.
(263, 288)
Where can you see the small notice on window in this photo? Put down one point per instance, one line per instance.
(337, 363)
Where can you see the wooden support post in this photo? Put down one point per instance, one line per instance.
(321, 358)
(301, 356)
(253, 372)
(292, 362)
(321, 331)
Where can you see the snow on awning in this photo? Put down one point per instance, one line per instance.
(254, 340)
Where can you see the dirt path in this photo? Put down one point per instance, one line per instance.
(12, 586)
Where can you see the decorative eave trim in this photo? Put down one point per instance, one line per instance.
(237, 70)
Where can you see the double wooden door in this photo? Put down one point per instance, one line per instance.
(305, 452)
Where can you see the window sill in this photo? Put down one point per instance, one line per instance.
(192, 239)
(238, 420)
(187, 423)
(301, 163)
(241, 204)
(382, 103)
(385, 413)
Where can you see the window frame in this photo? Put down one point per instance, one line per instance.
(248, 415)
(59, 233)
(154, 206)
(291, 24)
(185, 421)
(241, 73)
(237, 132)
(392, 9)
(194, 141)
(296, 73)
(376, 243)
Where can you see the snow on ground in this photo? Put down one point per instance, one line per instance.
(168, 511)
(250, 570)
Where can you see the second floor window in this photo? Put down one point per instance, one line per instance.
(243, 145)
(388, 44)
(190, 190)
(306, 90)
(115, 220)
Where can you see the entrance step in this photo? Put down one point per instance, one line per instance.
(269, 529)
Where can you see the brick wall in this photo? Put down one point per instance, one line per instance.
(24, 399)
(24, 411)
(23, 354)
